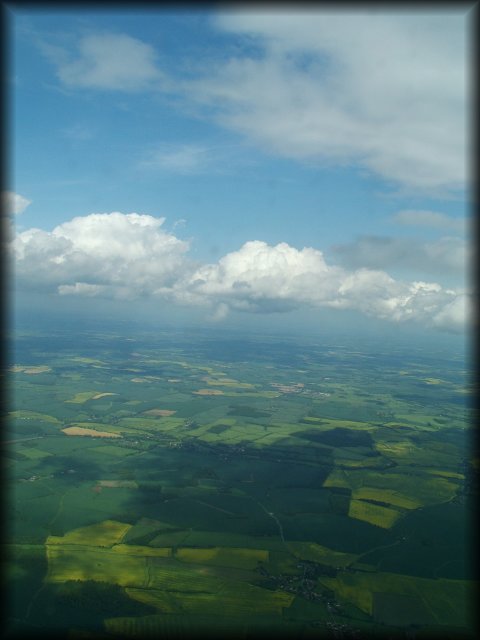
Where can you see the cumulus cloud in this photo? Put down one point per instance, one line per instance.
(128, 256)
(259, 277)
(113, 254)
(383, 91)
(13, 203)
(106, 61)
(264, 279)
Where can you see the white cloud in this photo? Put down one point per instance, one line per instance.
(14, 203)
(107, 61)
(455, 315)
(194, 158)
(185, 159)
(433, 219)
(445, 256)
(113, 254)
(383, 91)
(129, 256)
(259, 277)
(264, 279)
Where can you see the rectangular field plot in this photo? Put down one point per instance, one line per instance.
(234, 599)
(139, 550)
(386, 495)
(323, 555)
(103, 534)
(373, 514)
(223, 556)
(91, 563)
(82, 397)
(93, 433)
(224, 539)
(445, 600)
(24, 414)
(114, 451)
(34, 454)
(168, 574)
(171, 625)
(414, 485)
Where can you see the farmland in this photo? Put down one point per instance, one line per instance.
(170, 482)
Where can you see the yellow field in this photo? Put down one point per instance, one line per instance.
(230, 600)
(369, 462)
(81, 431)
(103, 534)
(128, 484)
(160, 412)
(415, 485)
(138, 550)
(374, 514)
(251, 394)
(100, 426)
(445, 474)
(386, 495)
(90, 563)
(30, 370)
(229, 382)
(325, 424)
(316, 553)
(399, 448)
(337, 478)
(346, 587)
(223, 556)
(24, 414)
(208, 392)
(165, 601)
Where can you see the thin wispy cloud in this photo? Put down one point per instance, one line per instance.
(107, 61)
(384, 92)
(193, 158)
(432, 219)
(187, 158)
(78, 133)
(445, 256)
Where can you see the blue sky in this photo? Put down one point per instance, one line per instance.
(310, 165)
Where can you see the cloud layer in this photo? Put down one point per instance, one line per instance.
(131, 255)
(448, 255)
(383, 91)
(107, 61)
